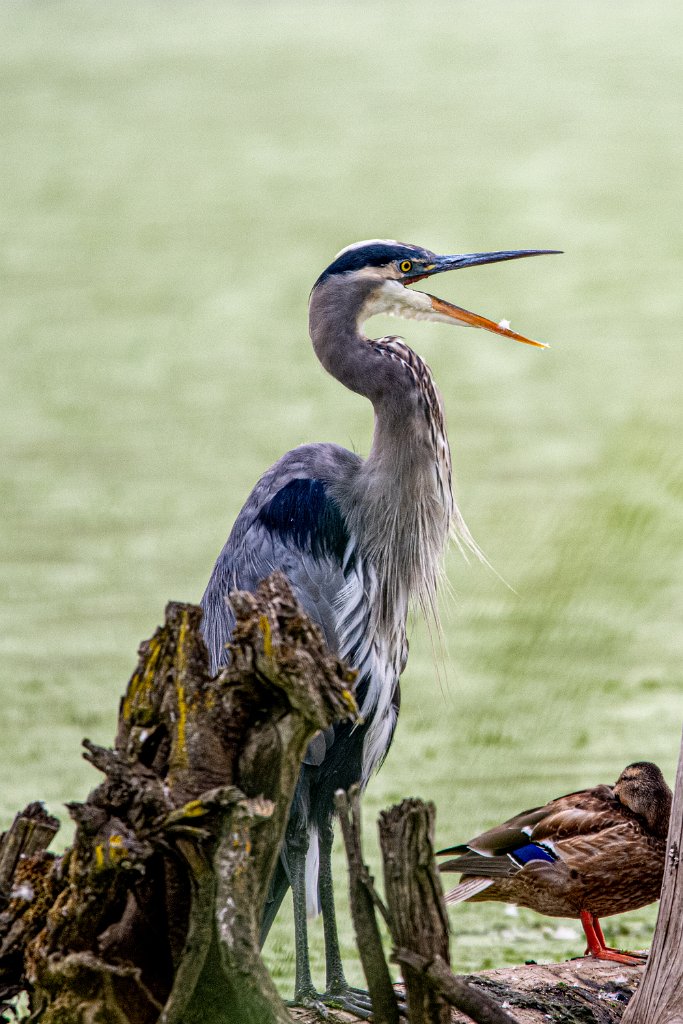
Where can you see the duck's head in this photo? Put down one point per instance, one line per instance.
(642, 788)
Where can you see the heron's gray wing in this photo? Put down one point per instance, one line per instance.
(296, 528)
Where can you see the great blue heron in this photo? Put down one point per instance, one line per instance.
(358, 539)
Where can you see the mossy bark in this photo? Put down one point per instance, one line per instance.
(153, 914)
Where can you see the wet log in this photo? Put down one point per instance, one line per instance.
(153, 914)
(581, 991)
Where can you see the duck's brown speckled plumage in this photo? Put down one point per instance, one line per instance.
(589, 854)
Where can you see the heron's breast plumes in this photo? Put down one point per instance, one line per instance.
(404, 509)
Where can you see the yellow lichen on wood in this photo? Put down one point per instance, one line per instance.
(181, 653)
(180, 752)
(267, 636)
(117, 847)
(111, 852)
(137, 702)
(350, 701)
(192, 809)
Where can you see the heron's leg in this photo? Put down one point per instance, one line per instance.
(338, 991)
(336, 981)
(297, 848)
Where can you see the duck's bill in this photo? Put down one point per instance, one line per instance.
(446, 311)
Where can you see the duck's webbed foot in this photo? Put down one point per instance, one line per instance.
(619, 956)
(598, 948)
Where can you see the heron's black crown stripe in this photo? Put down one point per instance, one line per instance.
(303, 513)
(375, 254)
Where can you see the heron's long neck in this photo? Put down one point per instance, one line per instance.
(400, 505)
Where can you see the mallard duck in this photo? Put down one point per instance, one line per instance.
(585, 855)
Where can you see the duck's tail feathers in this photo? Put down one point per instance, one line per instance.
(466, 890)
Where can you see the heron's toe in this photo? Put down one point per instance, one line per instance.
(355, 1002)
(312, 1002)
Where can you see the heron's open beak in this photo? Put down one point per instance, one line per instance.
(445, 311)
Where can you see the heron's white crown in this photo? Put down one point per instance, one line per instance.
(366, 241)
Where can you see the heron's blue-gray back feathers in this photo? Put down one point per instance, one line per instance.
(254, 550)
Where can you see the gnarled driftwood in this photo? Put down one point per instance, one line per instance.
(153, 914)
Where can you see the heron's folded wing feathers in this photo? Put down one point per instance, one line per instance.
(296, 529)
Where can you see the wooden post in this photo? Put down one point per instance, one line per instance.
(363, 900)
(417, 911)
(418, 921)
(659, 1000)
(32, 831)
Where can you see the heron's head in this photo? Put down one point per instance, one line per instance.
(378, 273)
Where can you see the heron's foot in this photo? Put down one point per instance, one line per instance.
(342, 996)
(355, 1001)
(402, 1001)
(309, 1001)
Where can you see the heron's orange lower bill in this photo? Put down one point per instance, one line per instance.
(474, 320)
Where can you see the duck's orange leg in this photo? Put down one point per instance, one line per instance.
(597, 927)
(596, 942)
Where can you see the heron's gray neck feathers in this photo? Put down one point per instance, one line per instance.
(400, 505)
(404, 516)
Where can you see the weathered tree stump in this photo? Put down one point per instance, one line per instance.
(153, 914)
(23, 865)
(363, 900)
(419, 923)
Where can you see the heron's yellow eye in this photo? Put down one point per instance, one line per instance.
(406, 266)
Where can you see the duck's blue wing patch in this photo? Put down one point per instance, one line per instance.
(532, 851)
